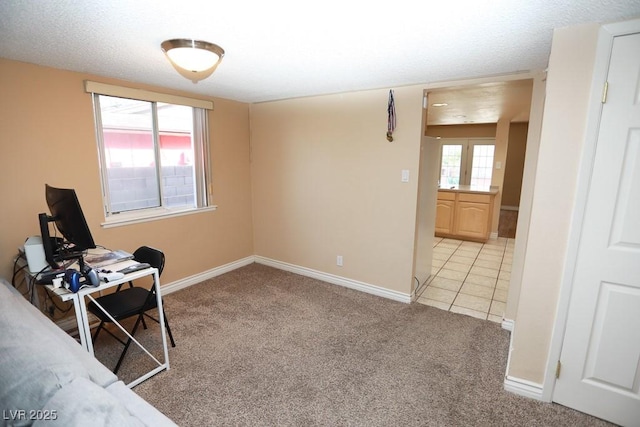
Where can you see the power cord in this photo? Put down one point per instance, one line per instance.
(53, 307)
(16, 270)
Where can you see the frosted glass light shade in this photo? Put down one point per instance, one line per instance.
(194, 59)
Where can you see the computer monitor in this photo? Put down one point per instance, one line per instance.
(67, 214)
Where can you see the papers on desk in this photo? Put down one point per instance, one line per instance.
(99, 260)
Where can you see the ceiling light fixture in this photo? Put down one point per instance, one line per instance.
(194, 59)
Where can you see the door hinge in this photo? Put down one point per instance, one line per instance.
(558, 368)
(605, 90)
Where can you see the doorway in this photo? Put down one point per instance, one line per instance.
(482, 110)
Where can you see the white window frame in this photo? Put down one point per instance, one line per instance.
(201, 152)
(466, 161)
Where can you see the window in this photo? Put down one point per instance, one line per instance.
(466, 162)
(481, 164)
(451, 164)
(153, 156)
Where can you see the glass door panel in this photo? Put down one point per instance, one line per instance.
(481, 164)
(451, 165)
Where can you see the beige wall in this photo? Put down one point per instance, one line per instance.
(47, 136)
(514, 164)
(326, 182)
(562, 138)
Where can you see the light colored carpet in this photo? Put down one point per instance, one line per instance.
(263, 347)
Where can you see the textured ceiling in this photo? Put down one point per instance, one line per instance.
(282, 49)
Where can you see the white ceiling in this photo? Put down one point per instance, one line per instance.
(283, 48)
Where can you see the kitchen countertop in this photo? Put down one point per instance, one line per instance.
(470, 189)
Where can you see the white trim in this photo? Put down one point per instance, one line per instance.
(600, 70)
(519, 75)
(70, 325)
(144, 95)
(335, 280)
(524, 388)
(508, 324)
(517, 385)
(209, 274)
(493, 235)
(140, 216)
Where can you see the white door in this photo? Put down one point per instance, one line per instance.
(600, 359)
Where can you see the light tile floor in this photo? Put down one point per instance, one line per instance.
(470, 278)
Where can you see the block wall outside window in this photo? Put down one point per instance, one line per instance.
(135, 187)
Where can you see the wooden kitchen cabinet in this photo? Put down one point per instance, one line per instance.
(465, 216)
(445, 212)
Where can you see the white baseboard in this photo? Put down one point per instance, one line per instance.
(336, 280)
(523, 388)
(326, 277)
(493, 235)
(70, 324)
(517, 385)
(197, 278)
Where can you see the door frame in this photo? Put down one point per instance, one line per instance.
(451, 84)
(606, 35)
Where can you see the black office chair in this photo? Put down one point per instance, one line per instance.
(131, 301)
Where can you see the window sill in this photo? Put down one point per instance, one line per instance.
(129, 219)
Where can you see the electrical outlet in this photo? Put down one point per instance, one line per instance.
(339, 260)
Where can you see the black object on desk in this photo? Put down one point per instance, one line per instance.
(135, 267)
(46, 277)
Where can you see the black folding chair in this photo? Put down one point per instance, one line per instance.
(131, 301)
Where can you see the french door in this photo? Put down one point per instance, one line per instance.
(466, 162)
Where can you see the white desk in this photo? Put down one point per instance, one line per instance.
(82, 317)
